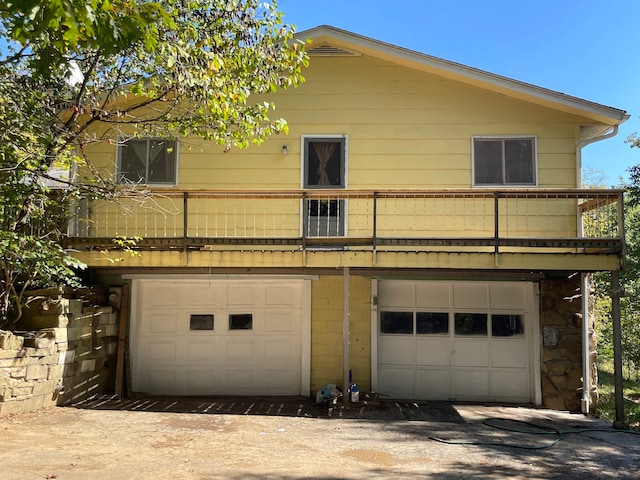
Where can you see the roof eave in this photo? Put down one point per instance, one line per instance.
(456, 71)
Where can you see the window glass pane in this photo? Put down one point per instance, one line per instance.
(487, 156)
(471, 324)
(201, 322)
(162, 164)
(133, 161)
(507, 325)
(519, 161)
(148, 161)
(396, 322)
(240, 321)
(324, 163)
(432, 323)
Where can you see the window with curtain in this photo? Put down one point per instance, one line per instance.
(324, 162)
(504, 161)
(148, 161)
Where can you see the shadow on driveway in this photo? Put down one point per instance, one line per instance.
(389, 410)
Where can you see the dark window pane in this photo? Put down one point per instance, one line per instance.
(519, 161)
(201, 322)
(432, 323)
(240, 321)
(507, 325)
(471, 324)
(162, 161)
(133, 160)
(148, 161)
(396, 322)
(487, 155)
(324, 163)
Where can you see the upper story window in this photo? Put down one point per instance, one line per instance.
(324, 162)
(504, 161)
(149, 161)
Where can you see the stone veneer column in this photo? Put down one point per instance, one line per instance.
(561, 357)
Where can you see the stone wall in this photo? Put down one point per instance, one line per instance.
(66, 353)
(561, 331)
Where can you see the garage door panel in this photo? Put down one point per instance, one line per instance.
(398, 382)
(161, 295)
(471, 354)
(240, 381)
(433, 351)
(248, 295)
(509, 353)
(200, 350)
(508, 296)
(199, 381)
(281, 352)
(162, 381)
(159, 350)
(470, 295)
(280, 321)
(280, 381)
(398, 350)
(433, 384)
(433, 295)
(240, 351)
(470, 383)
(282, 295)
(209, 294)
(159, 323)
(396, 294)
(510, 384)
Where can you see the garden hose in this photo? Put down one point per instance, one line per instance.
(526, 428)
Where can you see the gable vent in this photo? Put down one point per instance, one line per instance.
(329, 50)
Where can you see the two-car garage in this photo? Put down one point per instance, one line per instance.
(430, 339)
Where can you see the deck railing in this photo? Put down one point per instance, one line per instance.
(499, 220)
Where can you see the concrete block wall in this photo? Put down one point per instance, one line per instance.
(69, 355)
(327, 303)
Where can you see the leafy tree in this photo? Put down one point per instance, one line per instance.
(76, 72)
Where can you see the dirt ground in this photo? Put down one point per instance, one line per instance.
(248, 438)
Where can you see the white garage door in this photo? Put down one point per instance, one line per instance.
(456, 340)
(219, 337)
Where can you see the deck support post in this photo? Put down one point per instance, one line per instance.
(345, 336)
(617, 349)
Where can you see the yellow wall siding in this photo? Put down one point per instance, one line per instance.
(327, 294)
(406, 129)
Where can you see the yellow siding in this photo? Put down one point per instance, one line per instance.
(406, 129)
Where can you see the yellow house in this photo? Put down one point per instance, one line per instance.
(421, 231)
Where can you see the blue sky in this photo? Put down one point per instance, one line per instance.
(585, 48)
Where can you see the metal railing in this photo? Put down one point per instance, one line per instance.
(505, 219)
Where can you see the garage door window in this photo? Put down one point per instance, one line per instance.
(507, 325)
(422, 323)
(428, 323)
(201, 322)
(241, 321)
(471, 324)
(396, 322)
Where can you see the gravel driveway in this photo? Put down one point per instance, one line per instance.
(291, 438)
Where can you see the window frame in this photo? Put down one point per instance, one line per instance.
(534, 141)
(304, 142)
(119, 150)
